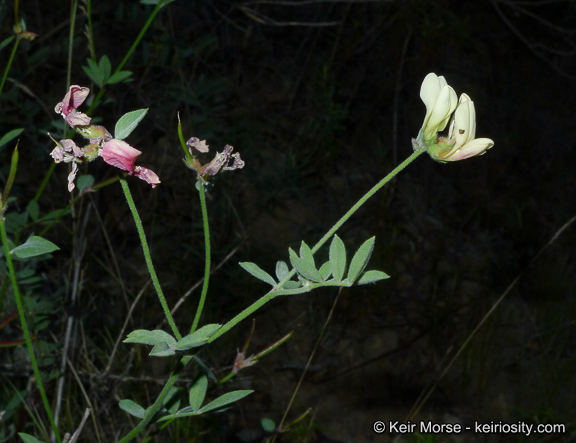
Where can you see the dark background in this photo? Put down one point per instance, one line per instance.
(321, 99)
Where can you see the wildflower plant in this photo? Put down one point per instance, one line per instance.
(298, 274)
(113, 151)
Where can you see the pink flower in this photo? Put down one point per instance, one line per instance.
(66, 151)
(120, 154)
(71, 101)
(221, 162)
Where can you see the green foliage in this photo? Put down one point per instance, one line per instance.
(101, 72)
(197, 338)
(260, 274)
(197, 393)
(26, 438)
(132, 408)
(34, 247)
(128, 122)
(304, 266)
(337, 258)
(216, 404)
(268, 425)
(166, 345)
(11, 135)
(84, 182)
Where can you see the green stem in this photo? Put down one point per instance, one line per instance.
(278, 289)
(73, 10)
(27, 337)
(148, 258)
(207, 260)
(9, 64)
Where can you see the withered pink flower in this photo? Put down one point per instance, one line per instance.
(120, 154)
(69, 105)
(194, 142)
(147, 175)
(66, 151)
(221, 162)
(72, 176)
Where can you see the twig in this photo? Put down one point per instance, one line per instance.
(77, 433)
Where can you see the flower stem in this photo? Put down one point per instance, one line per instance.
(365, 198)
(207, 260)
(27, 337)
(148, 258)
(278, 289)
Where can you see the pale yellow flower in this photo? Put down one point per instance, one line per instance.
(461, 141)
(440, 100)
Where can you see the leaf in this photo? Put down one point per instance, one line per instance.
(292, 285)
(105, 68)
(372, 277)
(197, 338)
(146, 337)
(84, 181)
(257, 272)
(281, 270)
(304, 268)
(33, 209)
(360, 259)
(174, 407)
(225, 399)
(306, 254)
(132, 408)
(337, 258)
(128, 122)
(6, 42)
(198, 393)
(162, 350)
(10, 135)
(119, 77)
(27, 438)
(268, 425)
(93, 71)
(33, 247)
(325, 271)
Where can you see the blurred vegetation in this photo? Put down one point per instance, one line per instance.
(321, 100)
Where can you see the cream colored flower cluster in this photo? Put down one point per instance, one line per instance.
(443, 106)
